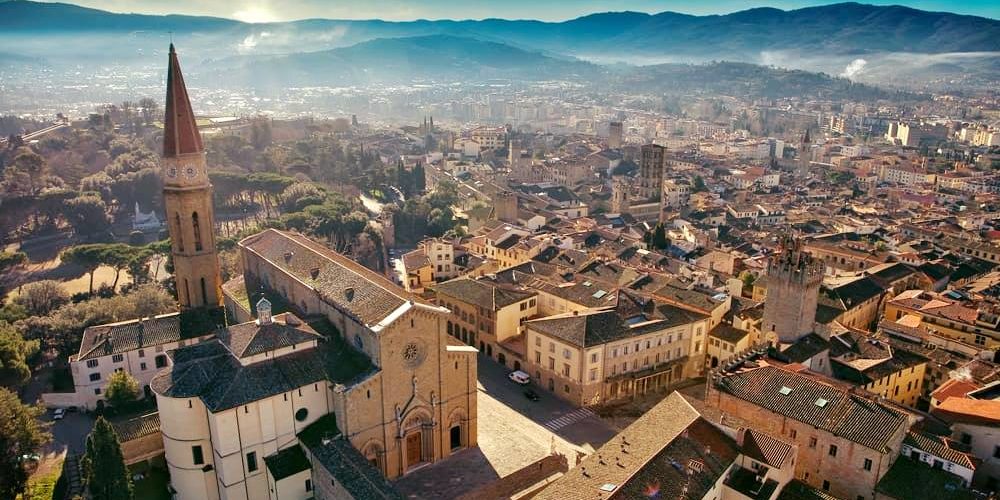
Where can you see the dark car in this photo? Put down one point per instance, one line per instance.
(530, 394)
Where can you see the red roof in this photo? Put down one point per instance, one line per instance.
(954, 388)
(180, 132)
(970, 411)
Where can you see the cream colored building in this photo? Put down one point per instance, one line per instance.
(487, 315)
(138, 347)
(598, 355)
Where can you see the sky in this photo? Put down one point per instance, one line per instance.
(547, 10)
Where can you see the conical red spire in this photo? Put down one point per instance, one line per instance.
(180, 132)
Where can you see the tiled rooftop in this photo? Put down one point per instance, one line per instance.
(859, 419)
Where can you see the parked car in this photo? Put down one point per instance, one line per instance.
(531, 395)
(59, 414)
(519, 377)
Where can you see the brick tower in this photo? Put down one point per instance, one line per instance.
(187, 197)
(793, 281)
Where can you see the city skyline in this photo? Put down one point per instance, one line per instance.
(260, 11)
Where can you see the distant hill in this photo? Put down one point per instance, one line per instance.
(443, 57)
(387, 60)
(843, 28)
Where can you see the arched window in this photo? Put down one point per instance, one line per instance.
(197, 231)
(204, 293)
(180, 232)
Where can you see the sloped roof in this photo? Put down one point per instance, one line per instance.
(251, 338)
(115, 338)
(482, 293)
(340, 281)
(765, 449)
(859, 419)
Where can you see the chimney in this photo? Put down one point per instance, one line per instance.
(263, 312)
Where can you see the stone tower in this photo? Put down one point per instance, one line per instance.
(619, 195)
(505, 206)
(651, 170)
(793, 280)
(805, 154)
(187, 197)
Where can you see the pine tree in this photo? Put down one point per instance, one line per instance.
(660, 237)
(104, 468)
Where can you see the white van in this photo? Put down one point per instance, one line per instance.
(519, 377)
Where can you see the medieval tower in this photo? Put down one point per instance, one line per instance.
(505, 206)
(187, 197)
(805, 154)
(619, 195)
(793, 281)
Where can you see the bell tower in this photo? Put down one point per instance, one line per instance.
(187, 197)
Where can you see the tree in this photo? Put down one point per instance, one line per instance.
(14, 354)
(104, 470)
(86, 256)
(122, 389)
(10, 260)
(659, 239)
(748, 279)
(21, 433)
(42, 297)
(87, 214)
(699, 184)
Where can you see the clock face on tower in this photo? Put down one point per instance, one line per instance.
(190, 171)
(172, 172)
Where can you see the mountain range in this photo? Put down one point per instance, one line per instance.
(843, 28)
(883, 43)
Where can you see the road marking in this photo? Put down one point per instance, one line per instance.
(568, 419)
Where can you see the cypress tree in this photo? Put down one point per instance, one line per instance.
(104, 470)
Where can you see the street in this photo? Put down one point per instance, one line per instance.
(513, 432)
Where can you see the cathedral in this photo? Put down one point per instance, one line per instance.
(352, 384)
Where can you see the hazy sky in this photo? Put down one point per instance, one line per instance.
(282, 10)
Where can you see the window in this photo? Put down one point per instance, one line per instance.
(593, 358)
(91, 363)
(252, 461)
(826, 485)
(538, 341)
(301, 414)
(142, 353)
(94, 377)
(567, 354)
(552, 363)
(868, 464)
(142, 366)
(812, 442)
(117, 358)
(833, 450)
(565, 369)
(180, 232)
(552, 347)
(793, 433)
(593, 377)
(538, 357)
(996, 451)
(161, 361)
(97, 391)
(197, 455)
(966, 438)
(197, 231)
(309, 485)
